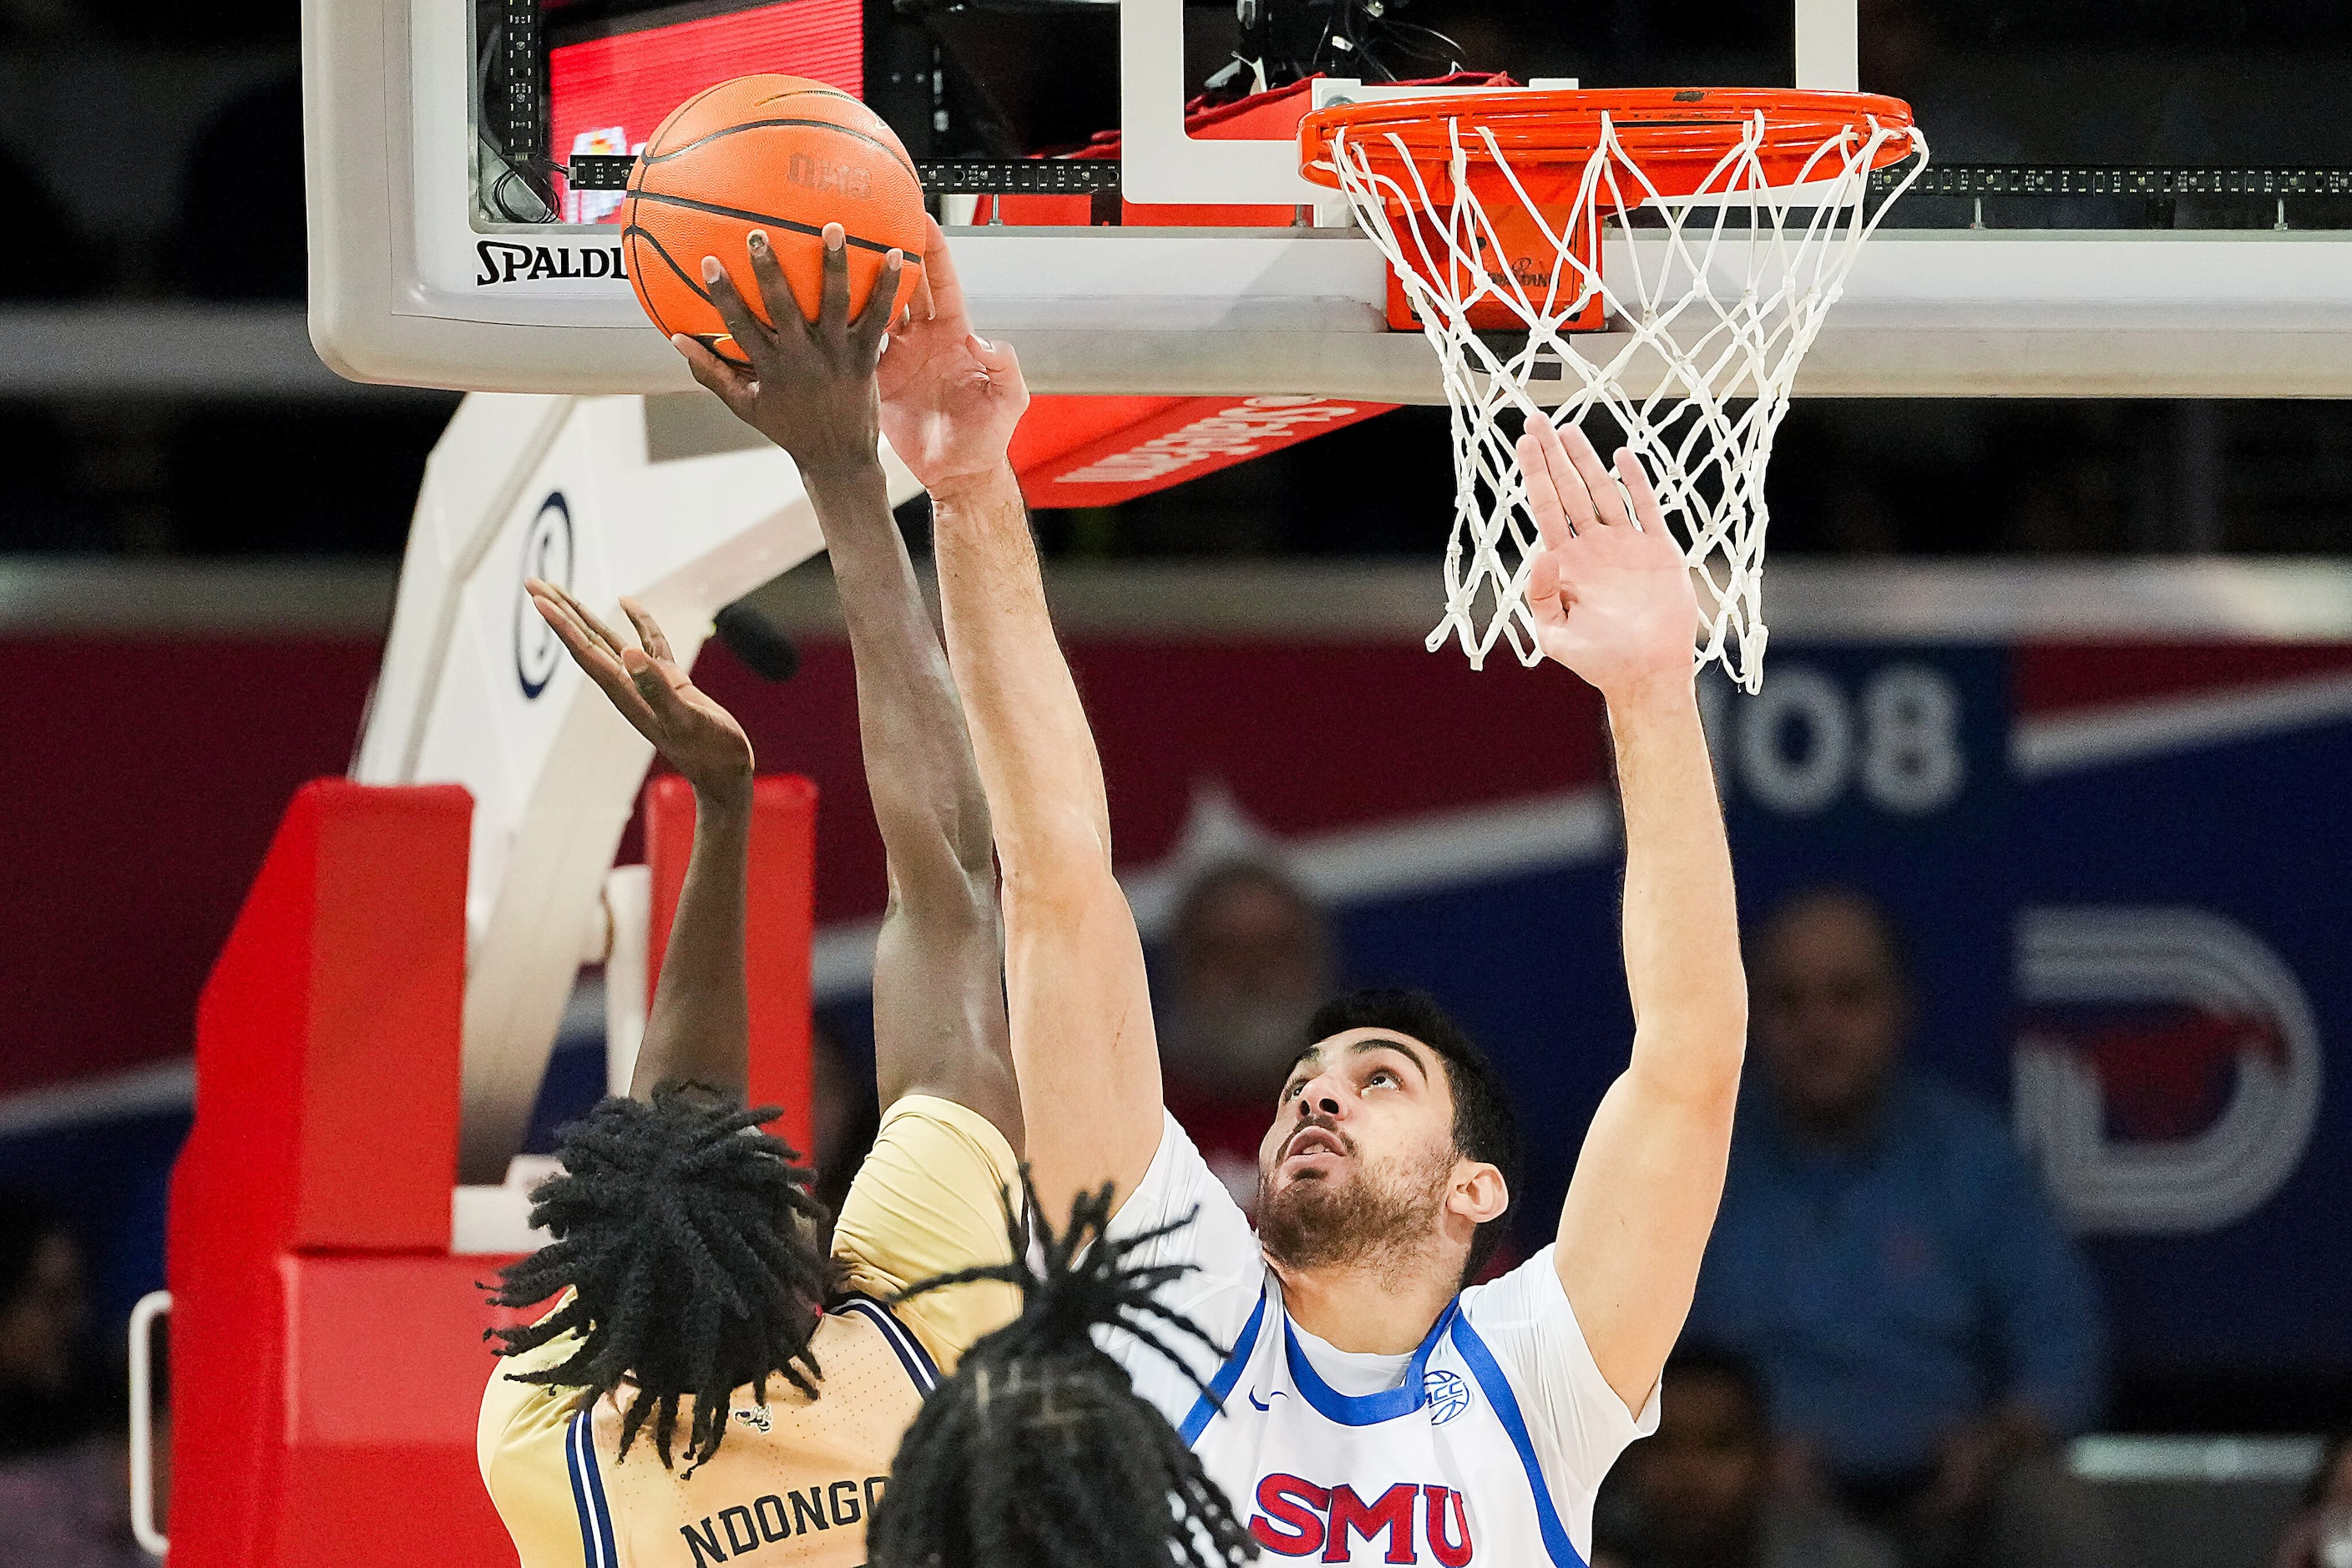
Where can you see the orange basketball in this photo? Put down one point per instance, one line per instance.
(779, 154)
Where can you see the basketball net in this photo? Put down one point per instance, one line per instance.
(1710, 299)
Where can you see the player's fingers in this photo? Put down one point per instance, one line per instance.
(1544, 585)
(1567, 478)
(832, 305)
(753, 338)
(585, 648)
(1608, 502)
(1003, 366)
(924, 307)
(731, 385)
(1543, 496)
(775, 291)
(938, 267)
(593, 658)
(579, 611)
(660, 698)
(650, 630)
(874, 321)
(1636, 480)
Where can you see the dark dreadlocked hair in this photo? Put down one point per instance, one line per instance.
(687, 1236)
(1037, 1453)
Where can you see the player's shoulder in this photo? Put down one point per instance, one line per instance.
(519, 1400)
(526, 1448)
(1523, 1327)
(1177, 1188)
(858, 1330)
(1529, 1293)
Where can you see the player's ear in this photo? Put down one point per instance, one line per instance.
(1480, 1194)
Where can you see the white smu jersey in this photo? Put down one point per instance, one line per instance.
(1483, 1445)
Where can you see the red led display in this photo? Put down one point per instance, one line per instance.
(608, 94)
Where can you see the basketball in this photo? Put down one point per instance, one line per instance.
(780, 153)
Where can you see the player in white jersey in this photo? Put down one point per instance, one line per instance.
(1371, 1409)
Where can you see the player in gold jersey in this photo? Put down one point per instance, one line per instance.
(708, 1388)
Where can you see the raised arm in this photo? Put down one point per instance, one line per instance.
(1080, 1004)
(698, 1029)
(938, 991)
(1614, 602)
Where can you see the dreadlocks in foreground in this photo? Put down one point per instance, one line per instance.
(688, 1238)
(1037, 1453)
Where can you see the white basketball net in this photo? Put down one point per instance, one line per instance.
(1712, 299)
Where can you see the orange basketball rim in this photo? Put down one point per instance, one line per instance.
(1547, 168)
(1679, 137)
(1659, 259)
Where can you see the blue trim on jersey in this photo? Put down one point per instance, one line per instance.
(1489, 1373)
(1196, 1420)
(597, 1546)
(1366, 1409)
(912, 1354)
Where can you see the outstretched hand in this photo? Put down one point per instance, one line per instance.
(950, 397)
(810, 384)
(698, 738)
(1611, 595)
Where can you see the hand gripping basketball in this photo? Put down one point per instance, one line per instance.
(783, 154)
(1611, 593)
(810, 388)
(950, 398)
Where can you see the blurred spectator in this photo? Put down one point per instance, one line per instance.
(64, 1485)
(1700, 1493)
(44, 1312)
(1247, 963)
(2321, 1534)
(1926, 1329)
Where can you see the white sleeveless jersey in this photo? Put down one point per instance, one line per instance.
(1483, 1445)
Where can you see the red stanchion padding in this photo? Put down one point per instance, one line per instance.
(326, 1124)
(385, 1366)
(782, 917)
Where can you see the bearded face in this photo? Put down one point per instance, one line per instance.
(1326, 1202)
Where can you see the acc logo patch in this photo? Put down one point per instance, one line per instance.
(755, 1416)
(1448, 1396)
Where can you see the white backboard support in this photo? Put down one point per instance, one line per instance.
(666, 500)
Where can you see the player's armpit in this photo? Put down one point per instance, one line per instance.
(929, 1200)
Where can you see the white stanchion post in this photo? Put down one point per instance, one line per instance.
(152, 1306)
(628, 904)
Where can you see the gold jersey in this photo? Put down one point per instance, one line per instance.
(795, 1478)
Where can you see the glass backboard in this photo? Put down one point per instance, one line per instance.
(2124, 199)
